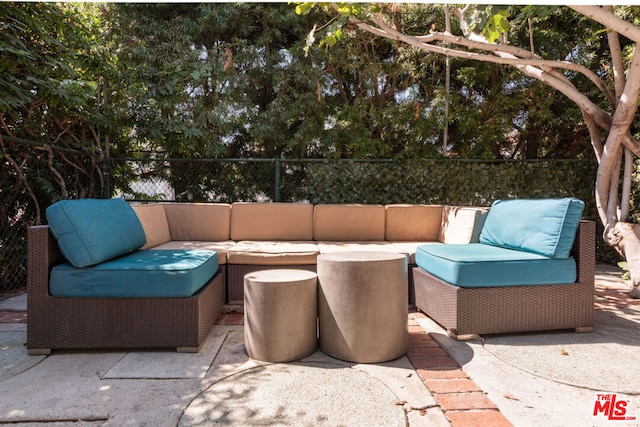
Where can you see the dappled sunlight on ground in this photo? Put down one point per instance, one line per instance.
(612, 292)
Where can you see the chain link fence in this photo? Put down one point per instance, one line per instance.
(383, 181)
(13, 247)
(227, 180)
(208, 180)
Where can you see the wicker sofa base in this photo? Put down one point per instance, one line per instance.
(236, 272)
(468, 312)
(465, 313)
(110, 323)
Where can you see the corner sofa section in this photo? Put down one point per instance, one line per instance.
(466, 313)
(532, 269)
(90, 287)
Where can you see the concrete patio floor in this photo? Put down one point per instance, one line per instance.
(551, 379)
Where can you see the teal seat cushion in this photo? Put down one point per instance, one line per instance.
(90, 231)
(545, 226)
(476, 265)
(141, 274)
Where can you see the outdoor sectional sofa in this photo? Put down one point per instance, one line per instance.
(91, 303)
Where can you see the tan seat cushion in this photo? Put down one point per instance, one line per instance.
(271, 221)
(198, 221)
(409, 249)
(347, 222)
(413, 222)
(154, 223)
(221, 248)
(462, 224)
(273, 253)
(350, 246)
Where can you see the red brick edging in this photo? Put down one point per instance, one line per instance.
(13, 316)
(461, 400)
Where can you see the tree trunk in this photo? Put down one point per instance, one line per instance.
(625, 237)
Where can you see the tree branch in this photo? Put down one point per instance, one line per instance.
(607, 18)
(617, 63)
(594, 134)
(529, 67)
(54, 172)
(503, 54)
(21, 177)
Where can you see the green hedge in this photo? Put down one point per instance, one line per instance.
(459, 182)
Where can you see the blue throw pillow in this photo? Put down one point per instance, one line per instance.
(545, 226)
(91, 231)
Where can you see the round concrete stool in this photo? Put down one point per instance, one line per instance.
(280, 314)
(362, 306)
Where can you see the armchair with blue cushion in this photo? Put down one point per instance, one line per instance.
(532, 269)
(89, 285)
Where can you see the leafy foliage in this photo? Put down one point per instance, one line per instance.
(48, 123)
(48, 75)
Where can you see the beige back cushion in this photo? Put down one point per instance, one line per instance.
(413, 223)
(271, 221)
(349, 222)
(198, 221)
(154, 224)
(462, 224)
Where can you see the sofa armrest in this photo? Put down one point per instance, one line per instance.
(462, 224)
(42, 254)
(584, 252)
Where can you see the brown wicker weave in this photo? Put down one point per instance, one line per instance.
(236, 272)
(123, 323)
(464, 313)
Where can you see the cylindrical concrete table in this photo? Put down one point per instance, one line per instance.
(280, 314)
(362, 305)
